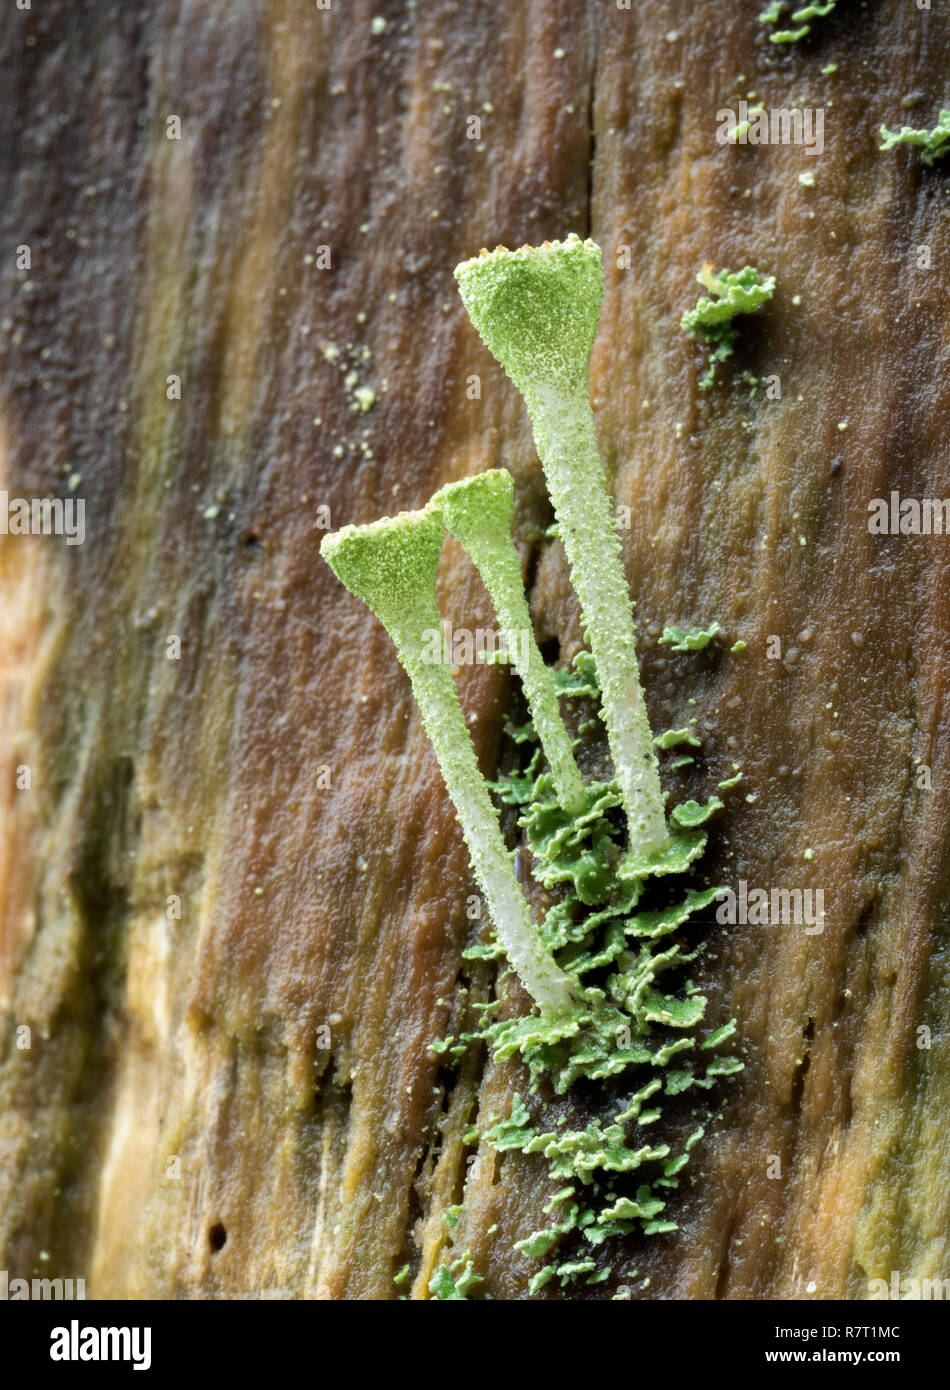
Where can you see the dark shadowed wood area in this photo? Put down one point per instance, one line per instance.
(239, 1098)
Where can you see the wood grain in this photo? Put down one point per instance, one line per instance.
(318, 1171)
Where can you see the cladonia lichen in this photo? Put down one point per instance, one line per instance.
(391, 565)
(729, 295)
(478, 513)
(802, 16)
(452, 1283)
(606, 963)
(634, 1029)
(689, 639)
(932, 144)
(537, 311)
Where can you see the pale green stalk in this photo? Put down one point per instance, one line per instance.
(391, 565)
(537, 310)
(478, 512)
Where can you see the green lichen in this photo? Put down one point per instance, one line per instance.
(692, 813)
(730, 294)
(636, 1025)
(607, 967)
(689, 639)
(391, 565)
(536, 310)
(932, 144)
(478, 512)
(453, 1283)
(451, 1217)
(802, 16)
(675, 738)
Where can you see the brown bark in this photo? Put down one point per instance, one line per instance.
(323, 1170)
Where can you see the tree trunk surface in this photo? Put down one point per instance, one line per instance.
(234, 892)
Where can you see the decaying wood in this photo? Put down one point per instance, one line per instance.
(318, 1171)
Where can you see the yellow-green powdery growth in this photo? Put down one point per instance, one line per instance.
(537, 312)
(781, 11)
(932, 144)
(606, 966)
(730, 294)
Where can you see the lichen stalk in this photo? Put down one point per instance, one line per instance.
(537, 309)
(478, 512)
(391, 565)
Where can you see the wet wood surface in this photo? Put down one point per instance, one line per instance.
(239, 1099)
